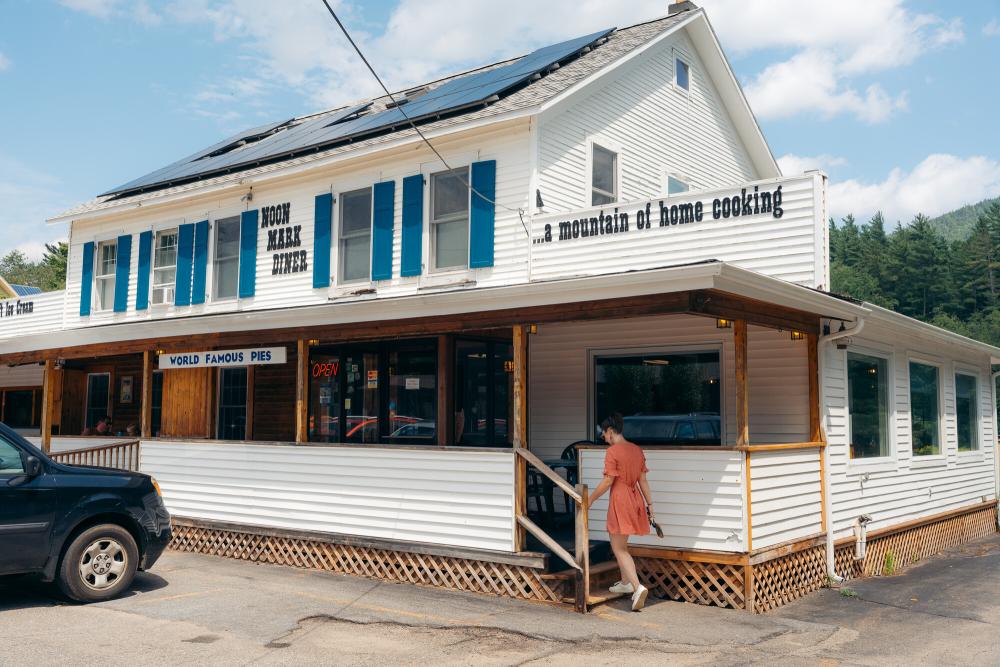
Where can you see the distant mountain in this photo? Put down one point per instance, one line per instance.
(956, 225)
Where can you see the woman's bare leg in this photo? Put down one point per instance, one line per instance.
(619, 545)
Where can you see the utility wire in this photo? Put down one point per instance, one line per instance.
(399, 108)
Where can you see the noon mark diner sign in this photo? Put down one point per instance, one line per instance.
(254, 356)
(284, 240)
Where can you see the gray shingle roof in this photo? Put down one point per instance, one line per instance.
(619, 43)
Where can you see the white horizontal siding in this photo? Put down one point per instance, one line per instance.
(449, 498)
(659, 127)
(903, 487)
(46, 315)
(785, 496)
(784, 247)
(29, 375)
(778, 387)
(697, 496)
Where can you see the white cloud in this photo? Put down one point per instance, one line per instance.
(791, 165)
(139, 10)
(31, 196)
(4, 62)
(809, 82)
(992, 29)
(938, 184)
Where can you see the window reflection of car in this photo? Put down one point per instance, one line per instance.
(417, 430)
(692, 429)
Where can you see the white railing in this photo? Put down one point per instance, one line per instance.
(121, 455)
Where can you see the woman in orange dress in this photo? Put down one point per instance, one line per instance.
(625, 474)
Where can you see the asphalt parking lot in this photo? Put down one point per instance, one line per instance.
(195, 609)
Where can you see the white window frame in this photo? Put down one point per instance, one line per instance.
(213, 231)
(708, 346)
(612, 147)
(678, 56)
(667, 175)
(431, 222)
(98, 277)
(338, 268)
(941, 458)
(152, 278)
(977, 450)
(869, 464)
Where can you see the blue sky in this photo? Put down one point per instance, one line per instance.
(896, 100)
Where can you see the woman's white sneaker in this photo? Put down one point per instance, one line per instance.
(620, 587)
(639, 598)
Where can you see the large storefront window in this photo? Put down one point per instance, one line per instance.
(670, 398)
(483, 392)
(924, 409)
(98, 398)
(374, 393)
(868, 405)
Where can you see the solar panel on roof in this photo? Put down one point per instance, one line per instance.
(273, 142)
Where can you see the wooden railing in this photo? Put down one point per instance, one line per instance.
(580, 561)
(120, 455)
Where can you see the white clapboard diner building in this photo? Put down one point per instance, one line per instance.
(341, 350)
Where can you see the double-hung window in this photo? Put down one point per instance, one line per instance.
(925, 410)
(603, 176)
(868, 405)
(226, 267)
(165, 266)
(967, 411)
(450, 219)
(355, 236)
(107, 264)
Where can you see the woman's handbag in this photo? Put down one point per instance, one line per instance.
(656, 526)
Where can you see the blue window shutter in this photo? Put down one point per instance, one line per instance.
(321, 240)
(481, 223)
(142, 278)
(384, 196)
(248, 254)
(413, 225)
(122, 267)
(185, 252)
(86, 278)
(200, 262)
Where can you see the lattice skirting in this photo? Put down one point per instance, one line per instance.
(778, 581)
(715, 584)
(462, 574)
(885, 554)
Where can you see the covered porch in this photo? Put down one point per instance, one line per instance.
(457, 495)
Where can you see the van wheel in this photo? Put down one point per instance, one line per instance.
(99, 564)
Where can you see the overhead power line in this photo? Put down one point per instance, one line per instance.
(399, 107)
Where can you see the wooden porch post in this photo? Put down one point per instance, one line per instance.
(302, 392)
(48, 399)
(146, 405)
(520, 433)
(743, 440)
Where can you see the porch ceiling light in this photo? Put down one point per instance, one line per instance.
(798, 335)
(723, 323)
(313, 342)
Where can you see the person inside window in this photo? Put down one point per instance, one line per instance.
(103, 426)
(629, 510)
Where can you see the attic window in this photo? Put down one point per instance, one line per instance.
(682, 74)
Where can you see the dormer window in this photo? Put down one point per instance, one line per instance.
(682, 74)
(603, 176)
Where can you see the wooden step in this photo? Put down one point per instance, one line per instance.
(595, 570)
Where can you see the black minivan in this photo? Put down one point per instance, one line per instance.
(89, 529)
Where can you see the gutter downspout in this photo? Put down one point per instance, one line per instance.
(824, 342)
(996, 441)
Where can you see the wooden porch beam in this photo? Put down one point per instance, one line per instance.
(302, 391)
(742, 393)
(48, 400)
(146, 400)
(520, 432)
(713, 303)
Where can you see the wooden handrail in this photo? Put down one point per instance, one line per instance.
(119, 455)
(548, 472)
(781, 446)
(87, 450)
(544, 538)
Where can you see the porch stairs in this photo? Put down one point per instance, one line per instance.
(602, 576)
